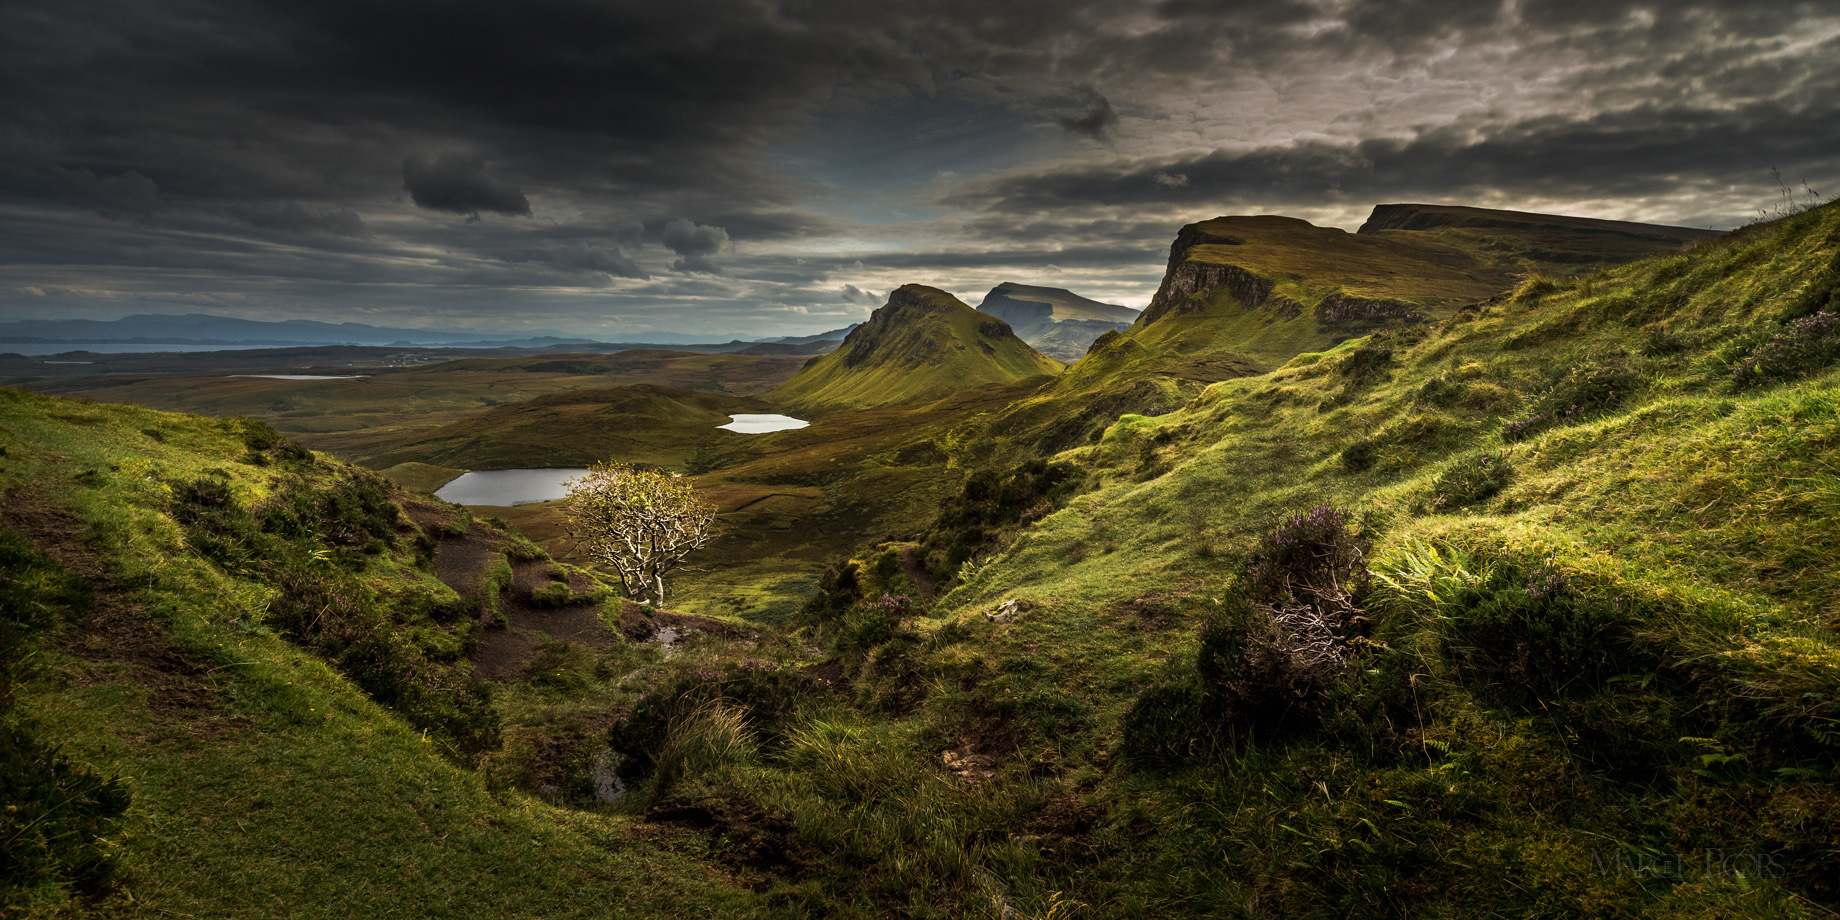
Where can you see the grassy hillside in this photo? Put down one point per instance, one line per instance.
(1520, 613)
(923, 344)
(193, 607)
(1273, 287)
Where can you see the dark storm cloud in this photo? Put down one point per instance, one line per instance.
(238, 147)
(1096, 121)
(589, 257)
(694, 245)
(458, 184)
(1635, 153)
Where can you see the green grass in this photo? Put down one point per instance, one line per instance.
(1698, 514)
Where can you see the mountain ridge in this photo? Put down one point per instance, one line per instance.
(923, 343)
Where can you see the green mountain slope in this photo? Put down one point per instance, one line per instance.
(1056, 322)
(1246, 294)
(923, 344)
(1587, 534)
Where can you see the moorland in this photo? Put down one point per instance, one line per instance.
(1478, 563)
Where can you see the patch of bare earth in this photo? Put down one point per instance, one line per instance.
(118, 638)
(642, 624)
(761, 847)
(505, 653)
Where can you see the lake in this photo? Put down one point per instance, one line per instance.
(761, 424)
(509, 487)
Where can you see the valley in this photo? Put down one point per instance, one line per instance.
(1464, 565)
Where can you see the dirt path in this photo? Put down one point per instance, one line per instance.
(505, 654)
(118, 638)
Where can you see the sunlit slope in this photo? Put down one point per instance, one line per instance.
(1586, 440)
(923, 344)
(642, 423)
(264, 783)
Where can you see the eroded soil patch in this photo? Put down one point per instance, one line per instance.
(761, 847)
(117, 636)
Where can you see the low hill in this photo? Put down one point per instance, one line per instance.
(1056, 322)
(923, 344)
(642, 423)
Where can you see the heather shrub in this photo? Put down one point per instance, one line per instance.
(1805, 346)
(1528, 636)
(990, 506)
(1273, 647)
(1314, 559)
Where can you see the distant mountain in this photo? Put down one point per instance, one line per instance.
(206, 329)
(820, 347)
(923, 344)
(835, 335)
(1054, 321)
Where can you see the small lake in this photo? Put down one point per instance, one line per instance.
(761, 424)
(300, 376)
(509, 487)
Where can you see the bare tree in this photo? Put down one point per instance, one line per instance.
(640, 523)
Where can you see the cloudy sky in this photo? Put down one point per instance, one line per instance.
(763, 167)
